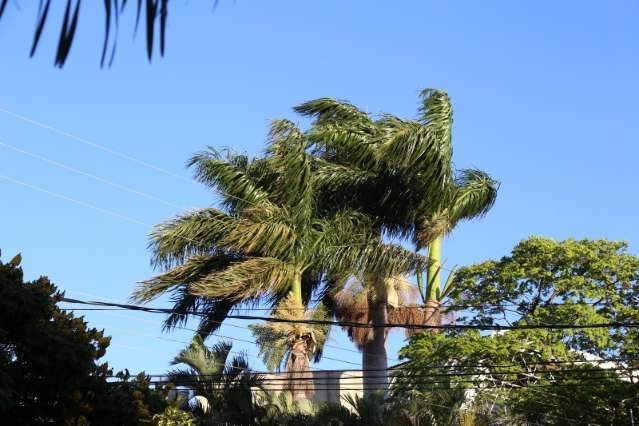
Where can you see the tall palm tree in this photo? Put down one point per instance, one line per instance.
(373, 300)
(470, 195)
(223, 387)
(399, 172)
(270, 243)
(389, 169)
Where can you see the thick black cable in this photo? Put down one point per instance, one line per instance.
(365, 325)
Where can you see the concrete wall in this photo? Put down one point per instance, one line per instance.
(330, 386)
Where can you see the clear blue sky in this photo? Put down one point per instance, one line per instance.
(545, 96)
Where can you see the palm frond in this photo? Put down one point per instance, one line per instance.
(373, 257)
(474, 196)
(193, 233)
(346, 144)
(276, 339)
(416, 149)
(436, 111)
(193, 269)
(272, 344)
(245, 280)
(293, 166)
(203, 360)
(263, 230)
(330, 110)
(215, 312)
(227, 174)
(353, 303)
(330, 177)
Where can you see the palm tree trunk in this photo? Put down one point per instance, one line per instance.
(374, 357)
(433, 275)
(298, 368)
(298, 363)
(432, 309)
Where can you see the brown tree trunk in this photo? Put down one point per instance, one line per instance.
(432, 314)
(374, 357)
(299, 373)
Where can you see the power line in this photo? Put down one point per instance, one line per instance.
(91, 175)
(73, 200)
(245, 340)
(570, 372)
(366, 325)
(95, 145)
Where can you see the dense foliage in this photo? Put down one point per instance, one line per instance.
(49, 363)
(538, 375)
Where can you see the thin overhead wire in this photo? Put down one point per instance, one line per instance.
(73, 200)
(97, 178)
(88, 142)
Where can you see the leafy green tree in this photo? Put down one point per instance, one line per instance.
(48, 356)
(270, 244)
(49, 368)
(539, 374)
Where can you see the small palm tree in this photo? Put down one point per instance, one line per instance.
(290, 344)
(223, 387)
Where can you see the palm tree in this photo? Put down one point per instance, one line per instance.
(371, 301)
(223, 387)
(400, 173)
(470, 195)
(269, 244)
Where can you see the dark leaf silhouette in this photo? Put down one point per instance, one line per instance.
(2, 6)
(43, 12)
(156, 11)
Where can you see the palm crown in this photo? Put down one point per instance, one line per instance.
(399, 172)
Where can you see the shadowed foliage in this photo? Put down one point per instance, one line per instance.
(226, 383)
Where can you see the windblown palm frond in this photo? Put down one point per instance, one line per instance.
(470, 196)
(246, 280)
(209, 311)
(437, 113)
(474, 196)
(293, 184)
(228, 175)
(330, 110)
(194, 233)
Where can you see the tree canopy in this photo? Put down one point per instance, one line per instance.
(50, 369)
(540, 375)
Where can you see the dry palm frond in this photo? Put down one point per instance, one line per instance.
(354, 302)
(429, 314)
(431, 227)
